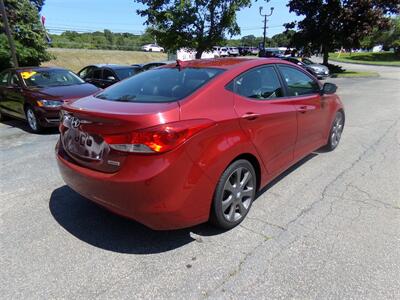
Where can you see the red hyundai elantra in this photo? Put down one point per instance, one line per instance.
(194, 141)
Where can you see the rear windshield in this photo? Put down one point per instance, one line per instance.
(127, 72)
(160, 85)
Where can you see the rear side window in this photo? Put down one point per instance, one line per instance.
(160, 85)
(4, 78)
(297, 82)
(126, 72)
(86, 73)
(261, 84)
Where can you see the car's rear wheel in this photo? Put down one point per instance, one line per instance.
(336, 131)
(32, 119)
(234, 195)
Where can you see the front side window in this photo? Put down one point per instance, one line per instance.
(261, 84)
(48, 78)
(14, 80)
(108, 75)
(160, 85)
(96, 74)
(297, 82)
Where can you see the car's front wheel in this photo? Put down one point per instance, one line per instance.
(234, 195)
(336, 131)
(32, 119)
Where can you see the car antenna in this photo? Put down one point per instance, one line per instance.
(180, 64)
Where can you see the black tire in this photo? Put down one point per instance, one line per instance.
(32, 120)
(2, 116)
(336, 132)
(241, 195)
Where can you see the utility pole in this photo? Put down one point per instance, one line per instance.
(9, 35)
(265, 22)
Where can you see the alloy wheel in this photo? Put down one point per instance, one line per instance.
(32, 121)
(238, 193)
(337, 130)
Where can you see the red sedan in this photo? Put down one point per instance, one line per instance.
(194, 141)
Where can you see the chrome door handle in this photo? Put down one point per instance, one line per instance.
(250, 116)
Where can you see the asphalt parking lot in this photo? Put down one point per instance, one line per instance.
(327, 228)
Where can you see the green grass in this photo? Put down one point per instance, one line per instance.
(368, 58)
(349, 74)
(76, 59)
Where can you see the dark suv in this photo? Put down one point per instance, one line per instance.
(106, 75)
(36, 94)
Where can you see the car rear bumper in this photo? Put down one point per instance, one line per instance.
(164, 192)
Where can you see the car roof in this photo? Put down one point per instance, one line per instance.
(21, 69)
(111, 66)
(166, 62)
(227, 63)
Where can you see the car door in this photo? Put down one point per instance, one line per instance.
(311, 107)
(12, 99)
(15, 95)
(266, 115)
(4, 78)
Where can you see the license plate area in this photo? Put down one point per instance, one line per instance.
(83, 144)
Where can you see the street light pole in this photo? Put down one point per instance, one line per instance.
(8, 33)
(265, 22)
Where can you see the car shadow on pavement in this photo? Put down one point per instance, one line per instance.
(24, 126)
(101, 228)
(286, 173)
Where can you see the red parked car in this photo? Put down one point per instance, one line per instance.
(35, 94)
(194, 141)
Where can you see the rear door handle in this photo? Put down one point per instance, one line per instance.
(302, 109)
(250, 116)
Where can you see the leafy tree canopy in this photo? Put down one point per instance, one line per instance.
(27, 32)
(389, 38)
(196, 24)
(339, 23)
(38, 4)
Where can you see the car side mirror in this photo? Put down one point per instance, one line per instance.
(329, 88)
(111, 78)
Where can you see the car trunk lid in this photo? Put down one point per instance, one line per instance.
(86, 122)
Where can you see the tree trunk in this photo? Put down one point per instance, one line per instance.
(199, 52)
(326, 57)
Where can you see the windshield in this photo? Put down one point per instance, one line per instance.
(307, 61)
(125, 73)
(49, 78)
(160, 85)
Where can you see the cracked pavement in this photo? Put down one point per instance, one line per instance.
(326, 228)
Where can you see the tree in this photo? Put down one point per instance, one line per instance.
(28, 35)
(389, 38)
(38, 4)
(339, 23)
(283, 39)
(196, 24)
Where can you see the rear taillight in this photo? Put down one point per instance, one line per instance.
(157, 139)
